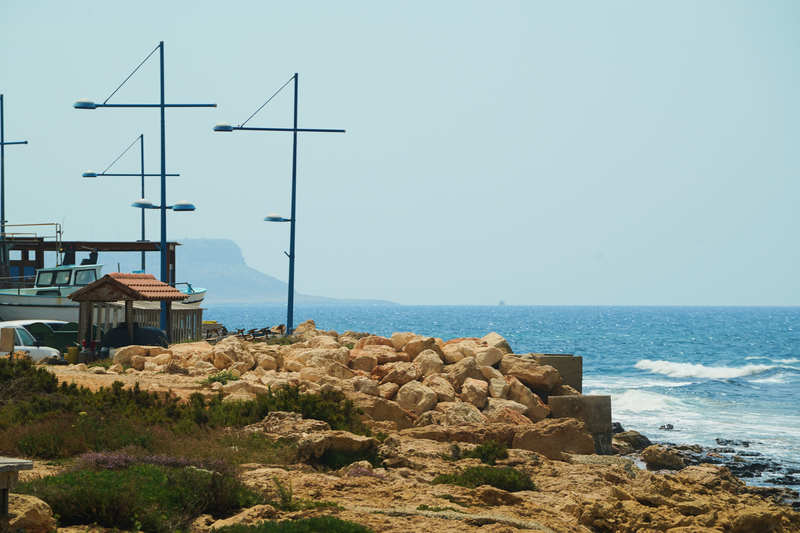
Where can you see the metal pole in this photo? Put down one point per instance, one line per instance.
(290, 306)
(141, 149)
(2, 175)
(164, 273)
(3, 252)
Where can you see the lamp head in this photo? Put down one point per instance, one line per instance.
(223, 127)
(183, 206)
(89, 174)
(84, 104)
(272, 217)
(143, 203)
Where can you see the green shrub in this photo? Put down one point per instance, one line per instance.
(39, 418)
(220, 377)
(488, 452)
(143, 497)
(105, 363)
(504, 478)
(320, 524)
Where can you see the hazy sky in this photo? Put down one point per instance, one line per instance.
(539, 153)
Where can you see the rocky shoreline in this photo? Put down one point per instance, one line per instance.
(429, 404)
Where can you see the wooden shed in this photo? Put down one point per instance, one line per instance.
(132, 298)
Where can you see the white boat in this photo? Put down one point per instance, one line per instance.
(49, 299)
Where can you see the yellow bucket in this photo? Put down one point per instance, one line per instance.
(72, 354)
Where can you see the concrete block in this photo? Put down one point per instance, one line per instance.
(569, 366)
(594, 411)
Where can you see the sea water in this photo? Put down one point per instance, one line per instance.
(710, 372)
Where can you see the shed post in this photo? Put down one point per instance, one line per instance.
(129, 319)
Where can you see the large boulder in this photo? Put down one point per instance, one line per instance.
(443, 389)
(401, 338)
(416, 346)
(497, 404)
(488, 356)
(428, 363)
(498, 388)
(456, 351)
(388, 391)
(458, 372)
(363, 360)
(462, 413)
(378, 408)
(401, 373)
(373, 340)
(633, 439)
(536, 376)
(475, 391)
(416, 397)
(496, 340)
(553, 436)
(314, 445)
(658, 457)
(536, 408)
(123, 355)
(365, 385)
(29, 514)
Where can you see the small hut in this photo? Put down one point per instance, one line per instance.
(130, 298)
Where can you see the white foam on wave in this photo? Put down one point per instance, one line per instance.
(780, 378)
(639, 402)
(789, 361)
(693, 370)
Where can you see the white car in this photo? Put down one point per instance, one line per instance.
(25, 342)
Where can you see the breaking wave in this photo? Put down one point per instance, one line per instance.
(692, 370)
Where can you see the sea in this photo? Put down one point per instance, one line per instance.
(728, 373)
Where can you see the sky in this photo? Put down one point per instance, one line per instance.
(554, 153)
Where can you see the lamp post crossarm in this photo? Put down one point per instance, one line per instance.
(299, 130)
(6, 143)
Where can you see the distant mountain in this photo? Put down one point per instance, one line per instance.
(218, 265)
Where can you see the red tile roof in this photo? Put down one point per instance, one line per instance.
(120, 286)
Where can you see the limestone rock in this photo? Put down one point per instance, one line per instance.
(373, 340)
(287, 424)
(657, 457)
(323, 341)
(634, 439)
(416, 397)
(365, 385)
(116, 368)
(363, 361)
(123, 355)
(138, 361)
(252, 516)
(536, 376)
(429, 417)
(240, 396)
(475, 392)
(536, 408)
(460, 371)
(401, 338)
(309, 326)
(564, 390)
(506, 415)
(163, 358)
(498, 387)
(97, 370)
(488, 356)
(496, 404)
(490, 373)
(221, 361)
(378, 408)
(314, 445)
(491, 496)
(552, 436)
(443, 389)
(415, 347)
(30, 514)
(267, 362)
(383, 354)
(388, 391)
(462, 414)
(428, 363)
(401, 373)
(496, 340)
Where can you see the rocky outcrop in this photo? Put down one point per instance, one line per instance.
(657, 457)
(553, 437)
(29, 514)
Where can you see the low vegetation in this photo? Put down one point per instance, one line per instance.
(220, 377)
(504, 478)
(488, 452)
(148, 497)
(40, 419)
(326, 524)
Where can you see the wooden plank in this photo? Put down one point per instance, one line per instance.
(7, 340)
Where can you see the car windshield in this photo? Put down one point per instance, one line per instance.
(45, 279)
(25, 338)
(62, 277)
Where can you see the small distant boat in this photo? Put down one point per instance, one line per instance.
(49, 299)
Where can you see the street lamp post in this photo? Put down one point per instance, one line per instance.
(3, 144)
(162, 106)
(140, 140)
(292, 218)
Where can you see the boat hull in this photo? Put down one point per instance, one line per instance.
(24, 307)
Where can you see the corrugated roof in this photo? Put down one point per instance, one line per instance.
(121, 286)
